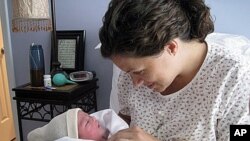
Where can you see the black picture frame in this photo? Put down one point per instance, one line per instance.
(70, 49)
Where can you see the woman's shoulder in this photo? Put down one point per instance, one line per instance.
(237, 44)
(225, 60)
(227, 49)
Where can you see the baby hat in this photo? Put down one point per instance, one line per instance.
(72, 122)
(60, 126)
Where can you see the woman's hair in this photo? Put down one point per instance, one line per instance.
(141, 28)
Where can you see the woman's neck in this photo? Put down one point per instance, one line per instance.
(195, 53)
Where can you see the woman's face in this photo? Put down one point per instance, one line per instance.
(155, 72)
(89, 128)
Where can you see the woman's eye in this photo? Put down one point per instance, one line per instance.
(138, 72)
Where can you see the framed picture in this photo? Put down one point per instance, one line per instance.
(70, 49)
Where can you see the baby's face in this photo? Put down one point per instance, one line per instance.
(89, 128)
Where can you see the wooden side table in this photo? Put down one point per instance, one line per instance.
(40, 104)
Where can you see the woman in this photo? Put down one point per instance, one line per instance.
(175, 84)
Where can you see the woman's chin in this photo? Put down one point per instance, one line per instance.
(159, 89)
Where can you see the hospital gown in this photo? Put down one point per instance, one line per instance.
(217, 97)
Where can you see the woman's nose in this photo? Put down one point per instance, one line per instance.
(137, 81)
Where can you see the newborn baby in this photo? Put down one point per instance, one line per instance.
(76, 124)
(90, 128)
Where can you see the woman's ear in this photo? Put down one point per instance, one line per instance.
(171, 47)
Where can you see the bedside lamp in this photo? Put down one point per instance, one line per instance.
(31, 15)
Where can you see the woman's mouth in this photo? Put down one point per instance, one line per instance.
(151, 86)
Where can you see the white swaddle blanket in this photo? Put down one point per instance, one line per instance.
(61, 128)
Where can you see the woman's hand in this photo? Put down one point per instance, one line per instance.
(132, 134)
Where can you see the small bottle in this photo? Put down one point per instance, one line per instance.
(47, 81)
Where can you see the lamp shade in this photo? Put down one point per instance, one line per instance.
(31, 15)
